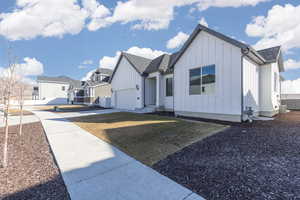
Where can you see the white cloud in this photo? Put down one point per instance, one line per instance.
(82, 67)
(98, 14)
(30, 67)
(157, 14)
(291, 64)
(177, 41)
(203, 22)
(290, 87)
(55, 18)
(51, 18)
(110, 62)
(87, 62)
(281, 26)
(88, 75)
(205, 4)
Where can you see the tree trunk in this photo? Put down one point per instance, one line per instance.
(5, 147)
(21, 110)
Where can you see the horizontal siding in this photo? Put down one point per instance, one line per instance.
(206, 50)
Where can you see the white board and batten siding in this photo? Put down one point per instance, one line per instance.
(167, 100)
(125, 94)
(269, 98)
(206, 50)
(251, 85)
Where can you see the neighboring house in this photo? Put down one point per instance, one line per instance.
(292, 101)
(97, 88)
(213, 76)
(76, 93)
(54, 90)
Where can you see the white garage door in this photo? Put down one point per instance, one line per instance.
(126, 99)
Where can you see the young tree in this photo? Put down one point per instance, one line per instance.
(9, 84)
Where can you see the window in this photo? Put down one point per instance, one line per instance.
(169, 87)
(208, 79)
(275, 82)
(63, 88)
(195, 81)
(202, 80)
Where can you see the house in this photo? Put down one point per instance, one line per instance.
(54, 90)
(97, 88)
(76, 93)
(212, 76)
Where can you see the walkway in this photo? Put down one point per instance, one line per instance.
(15, 120)
(94, 169)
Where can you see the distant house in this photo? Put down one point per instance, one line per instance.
(97, 88)
(54, 90)
(213, 76)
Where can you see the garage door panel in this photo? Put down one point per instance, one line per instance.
(126, 99)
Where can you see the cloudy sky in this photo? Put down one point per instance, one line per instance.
(73, 37)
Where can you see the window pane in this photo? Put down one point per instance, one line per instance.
(169, 87)
(195, 81)
(208, 79)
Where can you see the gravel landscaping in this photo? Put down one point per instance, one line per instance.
(247, 161)
(32, 172)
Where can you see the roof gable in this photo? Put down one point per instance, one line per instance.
(139, 63)
(247, 48)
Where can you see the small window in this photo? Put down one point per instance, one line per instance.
(63, 88)
(202, 80)
(169, 87)
(195, 81)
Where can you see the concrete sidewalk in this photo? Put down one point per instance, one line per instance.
(94, 169)
(15, 120)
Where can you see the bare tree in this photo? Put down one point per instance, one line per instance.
(22, 87)
(9, 84)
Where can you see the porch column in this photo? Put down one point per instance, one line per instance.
(158, 80)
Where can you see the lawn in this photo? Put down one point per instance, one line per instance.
(17, 112)
(148, 138)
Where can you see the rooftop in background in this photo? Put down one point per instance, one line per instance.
(104, 71)
(59, 79)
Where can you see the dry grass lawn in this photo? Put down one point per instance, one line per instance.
(17, 112)
(148, 138)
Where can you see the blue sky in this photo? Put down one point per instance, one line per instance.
(63, 55)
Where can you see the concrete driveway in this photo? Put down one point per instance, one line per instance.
(94, 169)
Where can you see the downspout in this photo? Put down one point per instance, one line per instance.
(244, 53)
(173, 91)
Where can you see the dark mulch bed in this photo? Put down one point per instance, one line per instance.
(78, 109)
(247, 161)
(32, 172)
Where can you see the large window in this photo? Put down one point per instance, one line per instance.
(169, 87)
(202, 80)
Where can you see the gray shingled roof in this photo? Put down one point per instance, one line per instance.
(104, 71)
(270, 54)
(138, 62)
(60, 79)
(161, 63)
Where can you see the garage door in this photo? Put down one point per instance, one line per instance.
(126, 99)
